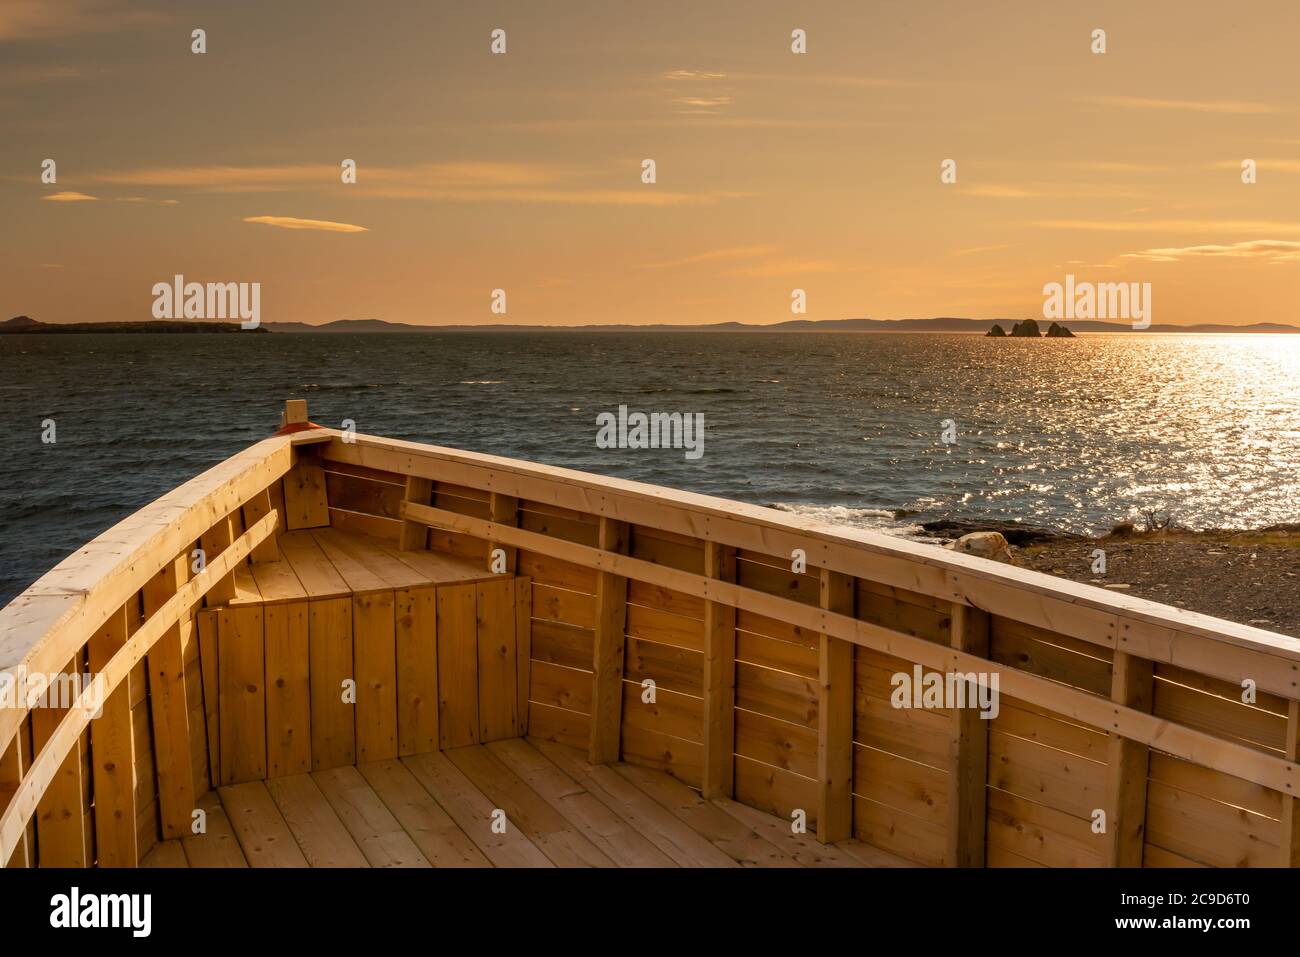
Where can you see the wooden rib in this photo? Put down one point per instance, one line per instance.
(112, 743)
(60, 833)
(607, 658)
(1290, 840)
(254, 509)
(504, 510)
(968, 756)
(11, 774)
(1181, 741)
(1127, 764)
(213, 541)
(719, 711)
(523, 595)
(305, 502)
(415, 537)
(169, 708)
(835, 717)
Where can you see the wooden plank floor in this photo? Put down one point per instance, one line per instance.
(514, 803)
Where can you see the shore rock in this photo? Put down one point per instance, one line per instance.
(996, 332)
(1055, 331)
(1028, 329)
(1013, 532)
(983, 545)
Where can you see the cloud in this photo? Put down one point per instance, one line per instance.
(703, 100)
(786, 267)
(1103, 166)
(1170, 225)
(714, 255)
(972, 250)
(453, 182)
(1268, 250)
(292, 222)
(692, 75)
(1049, 191)
(68, 197)
(40, 19)
(1197, 106)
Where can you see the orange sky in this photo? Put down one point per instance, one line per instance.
(775, 171)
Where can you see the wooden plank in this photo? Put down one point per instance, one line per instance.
(217, 846)
(213, 541)
(457, 666)
(652, 748)
(805, 849)
(253, 510)
(112, 742)
(1290, 840)
(288, 690)
(527, 810)
(523, 599)
(1127, 762)
(415, 537)
(60, 834)
(473, 812)
(376, 832)
(241, 668)
(739, 842)
(565, 727)
(169, 855)
(263, 835)
(595, 821)
(321, 836)
(607, 658)
(315, 572)
(431, 828)
(834, 809)
(416, 614)
(305, 501)
(1049, 612)
(679, 715)
(374, 655)
(968, 760)
(170, 710)
(719, 708)
(498, 691)
(333, 717)
(12, 764)
(647, 816)
(504, 510)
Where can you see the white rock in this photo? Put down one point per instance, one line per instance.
(983, 545)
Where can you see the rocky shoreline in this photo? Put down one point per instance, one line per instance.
(1248, 576)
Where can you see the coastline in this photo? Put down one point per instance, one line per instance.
(1250, 576)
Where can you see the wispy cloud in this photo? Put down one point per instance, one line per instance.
(292, 222)
(692, 75)
(1170, 225)
(973, 250)
(1269, 250)
(454, 182)
(146, 200)
(1049, 191)
(1106, 166)
(68, 197)
(714, 255)
(786, 267)
(40, 19)
(1197, 106)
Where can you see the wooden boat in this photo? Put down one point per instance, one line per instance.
(347, 650)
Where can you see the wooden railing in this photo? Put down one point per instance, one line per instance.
(120, 610)
(683, 632)
(1131, 732)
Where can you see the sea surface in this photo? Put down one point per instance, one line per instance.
(1068, 434)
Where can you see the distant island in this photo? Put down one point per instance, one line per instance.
(25, 324)
(1028, 329)
(28, 325)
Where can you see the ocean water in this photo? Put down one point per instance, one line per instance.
(1069, 434)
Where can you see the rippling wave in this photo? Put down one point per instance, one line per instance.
(1072, 434)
